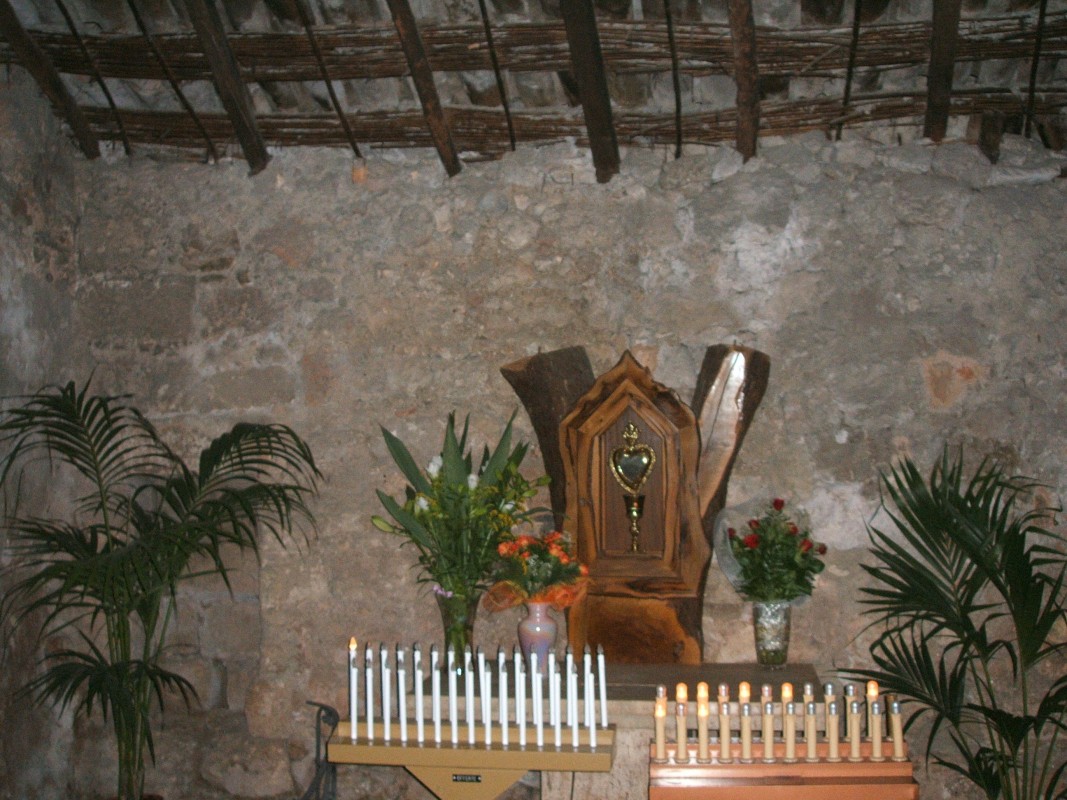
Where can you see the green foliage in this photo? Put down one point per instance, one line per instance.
(455, 514)
(107, 576)
(968, 589)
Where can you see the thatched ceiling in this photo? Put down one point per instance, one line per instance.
(473, 78)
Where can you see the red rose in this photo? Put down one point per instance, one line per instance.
(793, 529)
(754, 524)
(751, 541)
(806, 545)
(821, 549)
(731, 533)
(778, 504)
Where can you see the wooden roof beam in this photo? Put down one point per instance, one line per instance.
(746, 75)
(33, 58)
(422, 76)
(587, 66)
(228, 82)
(943, 36)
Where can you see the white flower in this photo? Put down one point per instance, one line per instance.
(434, 466)
(472, 481)
(422, 504)
(507, 507)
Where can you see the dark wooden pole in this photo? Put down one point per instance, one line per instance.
(587, 66)
(746, 75)
(228, 82)
(422, 76)
(33, 58)
(943, 36)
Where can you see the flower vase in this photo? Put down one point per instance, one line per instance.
(537, 633)
(457, 619)
(770, 623)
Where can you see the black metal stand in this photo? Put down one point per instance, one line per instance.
(323, 785)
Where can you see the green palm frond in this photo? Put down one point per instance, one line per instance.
(134, 534)
(967, 586)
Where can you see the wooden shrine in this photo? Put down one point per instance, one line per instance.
(637, 480)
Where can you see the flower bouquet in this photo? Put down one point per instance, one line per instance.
(456, 515)
(540, 572)
(772, 560)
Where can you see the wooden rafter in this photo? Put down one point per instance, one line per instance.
(33, 58)
(943, 35)
(746, 75)
(587, 66)
(228, 82)
(422, 76)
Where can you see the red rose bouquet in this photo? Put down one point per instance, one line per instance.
(778, 559)
(536, 569)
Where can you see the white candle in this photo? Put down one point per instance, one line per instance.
(453, 716)
(484, 684)
(590, 705)
(387, 694)
(553, 708)
(503, 701)
(353, 686)
(487, 703)
(368, 674)
(535, 679)
(572, 698)
(420, 727)
(602, 683)
(435, 693)
(538, 704)
(520, 702)
(468, 691)
(568, 665)
(401, 694)
(557, 721)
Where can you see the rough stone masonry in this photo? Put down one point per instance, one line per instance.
(908, 297)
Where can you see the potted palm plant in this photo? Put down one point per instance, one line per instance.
(969, 597)
(101, 583)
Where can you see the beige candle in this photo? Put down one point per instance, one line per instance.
(789, 731)
(833, 732)
(744, 692)
(661, 724)
(725, 749)
(850, 695)
(898, 731)
(872, 697)
(766, 693)
(746, 733)
(681, 735)
(703, 713)
(768, 731)
(876, 731)
(855, 736)
(811, 736)
(828, 695)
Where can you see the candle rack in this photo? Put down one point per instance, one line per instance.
(463, 728)
(779, 750)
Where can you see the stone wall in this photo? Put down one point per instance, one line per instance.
(908, 297)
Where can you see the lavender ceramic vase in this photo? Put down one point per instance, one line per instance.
(537, 633)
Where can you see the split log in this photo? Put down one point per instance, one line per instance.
(549, 384)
